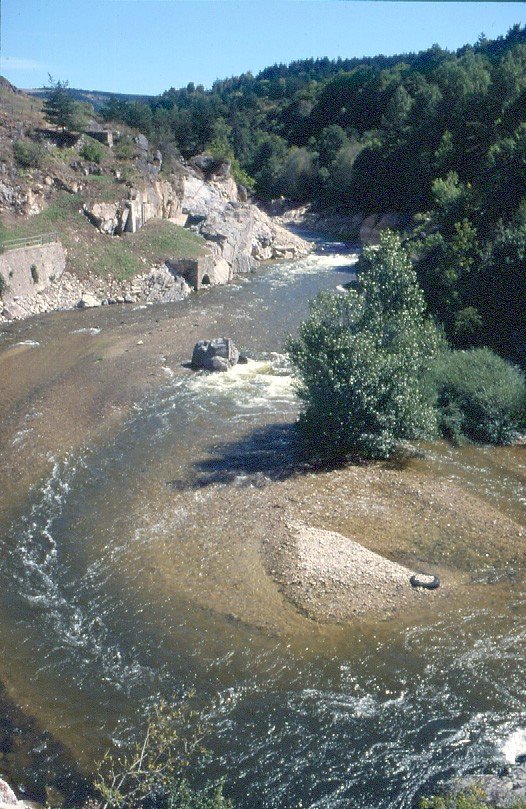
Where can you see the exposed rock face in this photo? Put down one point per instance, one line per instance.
(215, 355)
(155, 201)
(7, 796)
(238, 232)
(364, 229)
(208, 198)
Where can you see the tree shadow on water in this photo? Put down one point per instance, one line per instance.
(273, 452)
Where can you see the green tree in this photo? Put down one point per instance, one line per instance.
(61, 109)
(361, 360)
(479, 396)
(331, 140)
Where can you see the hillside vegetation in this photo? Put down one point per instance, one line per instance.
(52, 177)
(436, 135)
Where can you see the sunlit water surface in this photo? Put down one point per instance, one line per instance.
(130, 572)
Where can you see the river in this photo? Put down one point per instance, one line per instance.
(132, 567)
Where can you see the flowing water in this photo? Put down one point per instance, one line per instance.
(135, 569)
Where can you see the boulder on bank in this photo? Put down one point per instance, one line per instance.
(8, 799)
(7, 796)
(215, 355)
(88, 301)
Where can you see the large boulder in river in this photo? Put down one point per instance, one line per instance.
(215, 355)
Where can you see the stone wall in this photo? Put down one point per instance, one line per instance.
(30, 270)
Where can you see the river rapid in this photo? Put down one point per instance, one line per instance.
(132, 541)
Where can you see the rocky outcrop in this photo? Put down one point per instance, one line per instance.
(8, 799)
(158, 200)
(365, 229)
(238, 232)
(7, 796)
(205, 197)
(215, 355)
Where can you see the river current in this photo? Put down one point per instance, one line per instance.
(134, 569)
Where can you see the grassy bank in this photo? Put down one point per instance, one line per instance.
(91, 251)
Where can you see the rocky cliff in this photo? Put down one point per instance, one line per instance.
(209, 201)
(118, 187)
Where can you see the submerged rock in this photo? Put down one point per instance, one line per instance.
(215, 355)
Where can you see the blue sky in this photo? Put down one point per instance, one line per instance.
(147, 46)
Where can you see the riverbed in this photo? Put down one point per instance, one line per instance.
(139, 503)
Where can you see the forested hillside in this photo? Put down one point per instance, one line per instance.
(437, 136)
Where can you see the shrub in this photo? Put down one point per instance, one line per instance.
(479, 396)
(153, 773)
(28, 153)
(125, 148)
(475, 798)
(3, 285)
(361, 360)
(34, 273)
(92, 151)
(470, 800)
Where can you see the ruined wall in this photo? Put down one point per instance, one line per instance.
(29, 270)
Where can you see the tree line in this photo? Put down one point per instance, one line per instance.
(435, 134)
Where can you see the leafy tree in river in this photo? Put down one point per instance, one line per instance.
(361, 360)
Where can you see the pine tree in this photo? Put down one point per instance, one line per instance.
(60, 108)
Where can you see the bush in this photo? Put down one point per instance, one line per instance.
(479, 396)
(3, 285)
(152, 775)
(361, 360)
(34, 273)
(473, 799)
(125, 148)
(28, 153)
(92, 151)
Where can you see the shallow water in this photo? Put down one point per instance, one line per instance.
(135, 569)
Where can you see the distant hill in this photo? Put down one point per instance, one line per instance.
(98, 98)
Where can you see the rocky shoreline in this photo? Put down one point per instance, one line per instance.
(340, 224)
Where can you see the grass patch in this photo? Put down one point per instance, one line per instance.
(91, 251)
(20, 107)
(159, 237)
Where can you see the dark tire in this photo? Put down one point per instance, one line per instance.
(422, 580)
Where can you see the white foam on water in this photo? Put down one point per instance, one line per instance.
(29, 343)
(256, 383)
(92, 330)
(514, 745)
(312, 264)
